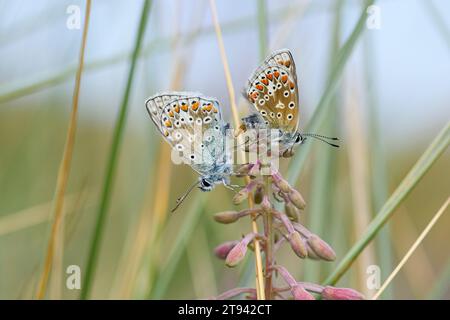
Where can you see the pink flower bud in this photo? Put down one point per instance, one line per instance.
(236, 254)
(297, 199)
(282, 184)
(291, 211)
(239, 250)
(297, 245)
(222, 250)
(332, 293)
(299, 293)
(226, 217)
(321, 248)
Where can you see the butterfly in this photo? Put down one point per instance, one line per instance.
(193, 125)
(272, 89)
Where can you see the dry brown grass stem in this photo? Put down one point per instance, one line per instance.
(413, 248)
(359, 175)
(235, 112)
(64, 168)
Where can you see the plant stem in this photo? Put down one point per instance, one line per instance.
(235, 113)
(112, 160)
(64, 169)
(268, 232)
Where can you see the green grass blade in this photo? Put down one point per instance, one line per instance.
(321, 111)
(262, 28)
(434, 150)
(379, 175)
(112, 160)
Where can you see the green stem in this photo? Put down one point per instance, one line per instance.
(434, 150)
(262, 27)
(112, 160)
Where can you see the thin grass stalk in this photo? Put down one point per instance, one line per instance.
(14, 90)
(65, 165)
(378, 173)
(258, 262)
(431, 154)
(358, 164)
(413, 248)
(262, 27)
(299, 159)
(420, 264)
(112, 159)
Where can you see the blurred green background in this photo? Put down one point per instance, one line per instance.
(391, 100)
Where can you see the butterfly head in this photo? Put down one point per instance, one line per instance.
(206, 184)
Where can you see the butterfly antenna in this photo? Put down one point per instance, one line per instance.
(184, 196)
(322, 138)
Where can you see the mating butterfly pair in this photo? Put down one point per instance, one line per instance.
(186, 119)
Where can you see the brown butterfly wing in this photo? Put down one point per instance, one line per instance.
(273, 91)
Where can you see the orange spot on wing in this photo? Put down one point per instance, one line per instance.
(265, 81)
(168, 124)
(255, 95)
(291, 85)
(259, 87)
(284, 78)
(270, 76)
(276, 74)
(287, 63)
(208, 107)
(195, 105)
(177, 109)
(184, 107)
(171, 113)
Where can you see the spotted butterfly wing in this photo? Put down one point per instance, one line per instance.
(273, 91)
(193, 125)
